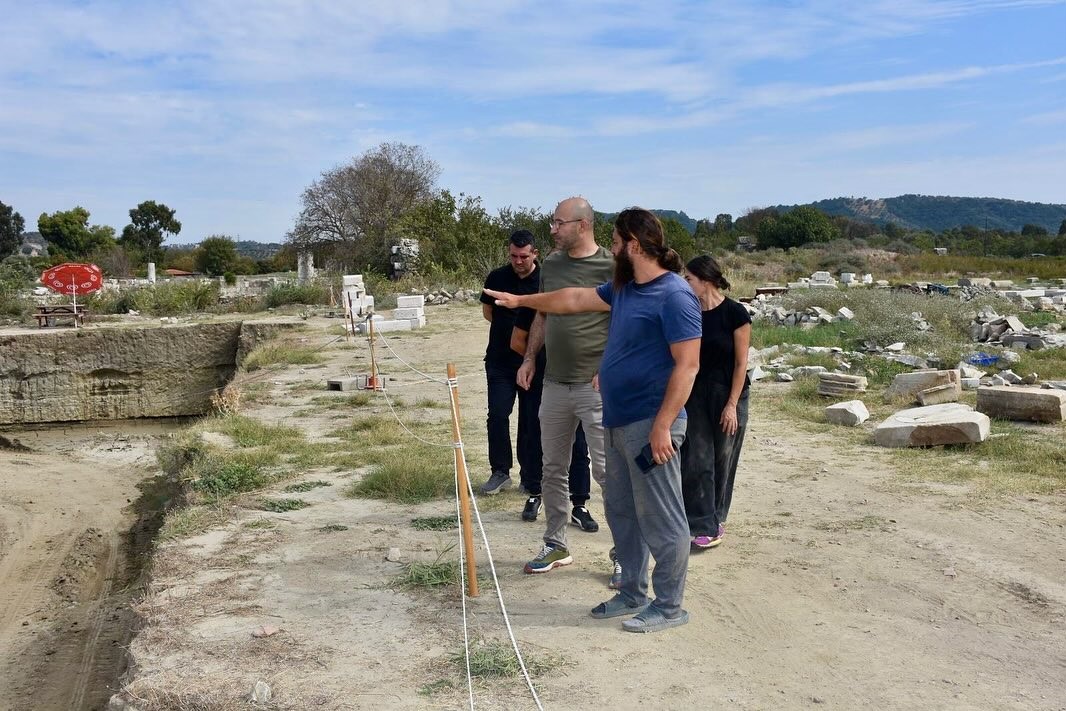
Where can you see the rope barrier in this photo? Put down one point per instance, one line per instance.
(452, 384)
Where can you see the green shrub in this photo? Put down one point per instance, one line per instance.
(170, 298)
(218, 478)
(316, 292)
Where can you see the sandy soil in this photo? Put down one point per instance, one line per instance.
(66, 581)
(839, 584)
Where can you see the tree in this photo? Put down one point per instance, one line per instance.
(723, 222)
(361, 204)
(749, 223)
(1033, 230)
(11, 227)
(1062, 229)
(455, 235)
(217, 255)
(678, 238)
(150, 222)
(797, 227)
(68, 231)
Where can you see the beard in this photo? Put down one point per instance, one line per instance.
(623, 270)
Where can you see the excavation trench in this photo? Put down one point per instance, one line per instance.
(80, 507)
(81, 498)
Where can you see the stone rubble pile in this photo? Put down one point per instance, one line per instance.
(441, 296)
(1010, 332)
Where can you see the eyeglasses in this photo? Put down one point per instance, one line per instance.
(559, 223)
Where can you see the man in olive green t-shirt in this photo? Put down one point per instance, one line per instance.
(574, 345)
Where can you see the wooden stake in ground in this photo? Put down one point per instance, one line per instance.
(372, 381)
(464, 494)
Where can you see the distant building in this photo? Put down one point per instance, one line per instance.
(403, 258)
(33, 245)
(942, 251)
(746, 243)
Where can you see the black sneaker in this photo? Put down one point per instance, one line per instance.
(580, 516)
(532, 509)
(496, 483)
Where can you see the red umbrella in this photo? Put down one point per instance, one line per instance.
(72, 278)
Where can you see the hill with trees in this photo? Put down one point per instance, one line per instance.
(938, 213)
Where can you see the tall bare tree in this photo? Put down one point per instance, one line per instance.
(360, 204)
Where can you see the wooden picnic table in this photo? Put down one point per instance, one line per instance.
(48, 316)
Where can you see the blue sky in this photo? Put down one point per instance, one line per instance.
(226, 109)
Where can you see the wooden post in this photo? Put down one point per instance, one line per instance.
(372, 381)
(464, 494)
(348, 318)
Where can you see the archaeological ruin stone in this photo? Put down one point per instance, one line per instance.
(950, 423)
(851, 413)
(908, 385)
(1031, 404)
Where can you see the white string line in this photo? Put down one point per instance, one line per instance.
(462, 584)
(397, 357)
(452, 385)
(405, 428)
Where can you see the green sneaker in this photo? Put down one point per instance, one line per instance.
(548, 558)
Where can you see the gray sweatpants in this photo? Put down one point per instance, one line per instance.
(646, 513)
(562, 405)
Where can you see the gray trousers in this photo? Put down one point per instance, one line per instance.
(562, 406)
(646, 513)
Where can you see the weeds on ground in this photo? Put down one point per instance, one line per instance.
(497, 660)
(379, 430)
(283, 505)
(275, 352)
(260, 523)
(250, 432)
(434, 523)
(1017, 459)
(305, 486)
(422, 474)
(430, 575)
(333, 528)
(190, 521)
(216, 479)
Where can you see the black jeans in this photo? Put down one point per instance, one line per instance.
(503, 389)
(709, 457)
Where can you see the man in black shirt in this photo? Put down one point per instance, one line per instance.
(501, 362)
(503, 357)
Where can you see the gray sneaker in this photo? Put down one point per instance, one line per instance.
(496, 483)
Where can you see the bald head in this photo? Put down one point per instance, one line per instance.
(573, 227)
(576, 208)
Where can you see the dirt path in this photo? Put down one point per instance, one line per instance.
(65, 511)
(840, 585)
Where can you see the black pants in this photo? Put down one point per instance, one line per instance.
(503, 390)
(709, 457)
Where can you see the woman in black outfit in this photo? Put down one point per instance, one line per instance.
(718, 406)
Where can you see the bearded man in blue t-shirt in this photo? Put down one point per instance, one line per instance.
(648, 368)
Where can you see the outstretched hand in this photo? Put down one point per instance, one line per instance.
(508, 301)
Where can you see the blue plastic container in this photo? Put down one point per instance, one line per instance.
(982, 359)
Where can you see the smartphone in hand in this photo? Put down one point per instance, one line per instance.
(645, 460)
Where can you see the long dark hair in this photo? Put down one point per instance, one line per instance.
(643, 226)
(705, 268)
